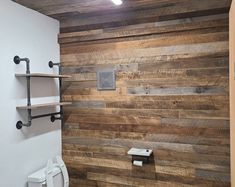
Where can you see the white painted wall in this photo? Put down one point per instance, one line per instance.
(26, 33)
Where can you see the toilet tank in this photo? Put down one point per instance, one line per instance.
(38, 179)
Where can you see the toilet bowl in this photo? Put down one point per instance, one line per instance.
(53, 175)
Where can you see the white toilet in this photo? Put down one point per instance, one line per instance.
(53, 175)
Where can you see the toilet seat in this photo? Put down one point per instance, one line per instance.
(64, 170)
(49, 171)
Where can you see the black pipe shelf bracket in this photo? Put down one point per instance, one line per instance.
(54, 116)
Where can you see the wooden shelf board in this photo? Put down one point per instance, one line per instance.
(42, 75)
(45, 105)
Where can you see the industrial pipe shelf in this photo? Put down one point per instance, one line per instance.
(29, 107)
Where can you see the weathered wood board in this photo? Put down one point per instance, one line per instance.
(172, 70)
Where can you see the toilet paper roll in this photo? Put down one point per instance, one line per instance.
(138, 163)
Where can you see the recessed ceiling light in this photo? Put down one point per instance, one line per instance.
(117, 2)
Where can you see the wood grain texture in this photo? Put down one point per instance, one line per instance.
(44, 105)
(232, 93)
(42, 75)
(171, 60)
(91, 8)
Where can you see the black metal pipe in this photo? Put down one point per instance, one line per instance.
(53, 118)
(17, 60)
(20, 124)
(60, 90)
(28, 91)
(45, 115)
(51, 64)
(29, 97)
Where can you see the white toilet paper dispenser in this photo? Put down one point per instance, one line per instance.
(140, 156)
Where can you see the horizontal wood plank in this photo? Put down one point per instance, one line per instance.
(172, 95)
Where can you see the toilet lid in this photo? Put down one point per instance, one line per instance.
(40, 176)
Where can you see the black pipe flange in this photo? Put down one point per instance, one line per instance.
(17, 59)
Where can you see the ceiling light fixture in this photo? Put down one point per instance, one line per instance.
(117, 2)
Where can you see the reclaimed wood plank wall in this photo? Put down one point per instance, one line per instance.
(172, 96)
